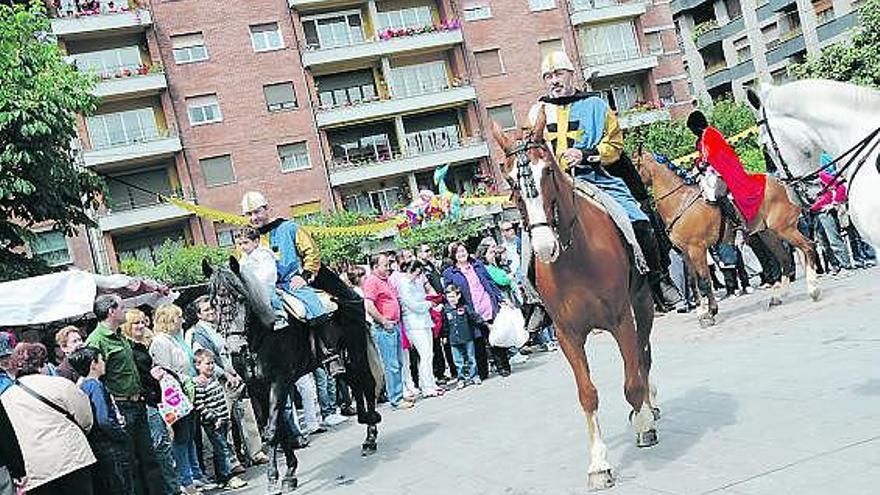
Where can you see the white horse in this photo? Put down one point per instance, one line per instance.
(801, 119)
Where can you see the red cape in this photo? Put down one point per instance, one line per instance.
(747, 189)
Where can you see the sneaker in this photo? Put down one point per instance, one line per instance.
(404, 404)
(552, 347)
(750, 290)
(477, 381)
(203, 484)
(334, 419)
(235, 483)
(462, 384)
(519, 359)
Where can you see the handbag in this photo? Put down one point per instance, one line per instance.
(36, 395)
(175, 403)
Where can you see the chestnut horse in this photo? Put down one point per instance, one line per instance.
(694, 226)
(587, 280)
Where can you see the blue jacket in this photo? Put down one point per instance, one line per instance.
(454, 276)
(107, 424)
(461, 324)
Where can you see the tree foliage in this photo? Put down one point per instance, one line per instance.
(40, 96)
(343, 249)
(856, 60)
(438, 235)
(673, 139)
(176, 265)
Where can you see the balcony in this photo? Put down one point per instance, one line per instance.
(141, 216)
(345, 173)
(635, 118)
(73, 26)
(717, 75)
(395, 106)
(706, 33)
(837, 26)
(596, 11)
(164, 145)
(613, 67)
(131, 85)
(373, 49)
(788, 44)
(679, 6)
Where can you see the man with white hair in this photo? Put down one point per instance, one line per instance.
(584, 135)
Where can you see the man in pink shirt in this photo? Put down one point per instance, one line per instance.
(380, 298)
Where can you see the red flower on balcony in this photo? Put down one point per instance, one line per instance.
(448, 25)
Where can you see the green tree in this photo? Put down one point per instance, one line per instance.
(341, 249)
(856, 60)
(438, 235)
(176, 265)
(40, 96)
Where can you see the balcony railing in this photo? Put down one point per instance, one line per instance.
(609, 57)
(135, 200)
(715, 68)
(427, 147)
(428, 87)
(126, 71)
(432, 140)
(703, 28)
(794, 33)
(81, 8)
(144, 136)
(389, 34)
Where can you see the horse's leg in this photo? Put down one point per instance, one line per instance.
(808, 251)
(643, 311)
(708, 305)
(278, 393)
(599, 472)
(635, 384)
(774, 244)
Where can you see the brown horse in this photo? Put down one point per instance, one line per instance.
(694, 225)
(587, 280)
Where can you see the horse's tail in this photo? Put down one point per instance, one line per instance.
(377, 369)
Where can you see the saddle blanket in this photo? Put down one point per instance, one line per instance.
(618, 216)
(297, 309)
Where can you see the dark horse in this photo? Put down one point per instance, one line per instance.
(587, 280)
(272, 360)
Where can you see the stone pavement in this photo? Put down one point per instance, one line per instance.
(767, 402)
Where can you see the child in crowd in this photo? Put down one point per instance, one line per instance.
(210, 402)
(461, 324)
(260, 261)
(113, 473)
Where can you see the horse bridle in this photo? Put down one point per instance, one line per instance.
(797, 182)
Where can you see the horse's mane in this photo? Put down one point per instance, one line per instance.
(242, 287)
(788, 98)
(676, 169)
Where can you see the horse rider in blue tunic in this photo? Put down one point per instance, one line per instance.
(584, 135)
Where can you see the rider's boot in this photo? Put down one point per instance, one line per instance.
(728, 210)
(661, 284)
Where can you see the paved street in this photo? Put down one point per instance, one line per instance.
(767, 402)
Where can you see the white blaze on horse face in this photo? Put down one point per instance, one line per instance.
(544, 241)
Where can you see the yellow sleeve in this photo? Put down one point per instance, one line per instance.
(308, 251)
(611, 145)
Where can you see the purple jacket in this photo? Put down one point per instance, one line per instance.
(453, 275)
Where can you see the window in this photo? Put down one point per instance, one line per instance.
(122, 128)
(413, 17)
(334, 30)
(188, 48)
(431, 140)
(203, 110)
(266, 37)
(734, 9)
(124, 197)
(346, 88)
(503, 116)
(489, 62)
(780, 76)
(419, 79)
(279, 96)
(824, 11)
(621, 95)
(294, 157)
(51, 247)
(743, 49)
(536, 5)
(225, 238)
(477, 12)
(217, 171)
(609, 43)
(666, 94)
(770, 33)
(381, 200)
(550, 46)
(107, 63)
(655, 43)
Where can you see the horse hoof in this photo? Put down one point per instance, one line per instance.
(368, 449)
(656, 412)
(775, 301)
(272, 488)
(707, 321)
(815, 294)
(646, 439)
(289, 485)
(602, 480)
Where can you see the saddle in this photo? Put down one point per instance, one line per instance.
(296, 309)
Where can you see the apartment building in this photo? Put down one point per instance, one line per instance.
(730, 45)
(329, 104)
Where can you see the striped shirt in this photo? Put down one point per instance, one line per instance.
(210, 402)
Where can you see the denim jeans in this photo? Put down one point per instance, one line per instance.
(222, 469)
(183, 448)
(463, 356)
(162, 448)
(388, 342)
(326, 392)
(147, 473)
(828, 224)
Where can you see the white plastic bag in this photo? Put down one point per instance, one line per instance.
(509, 328)
(175, 404)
